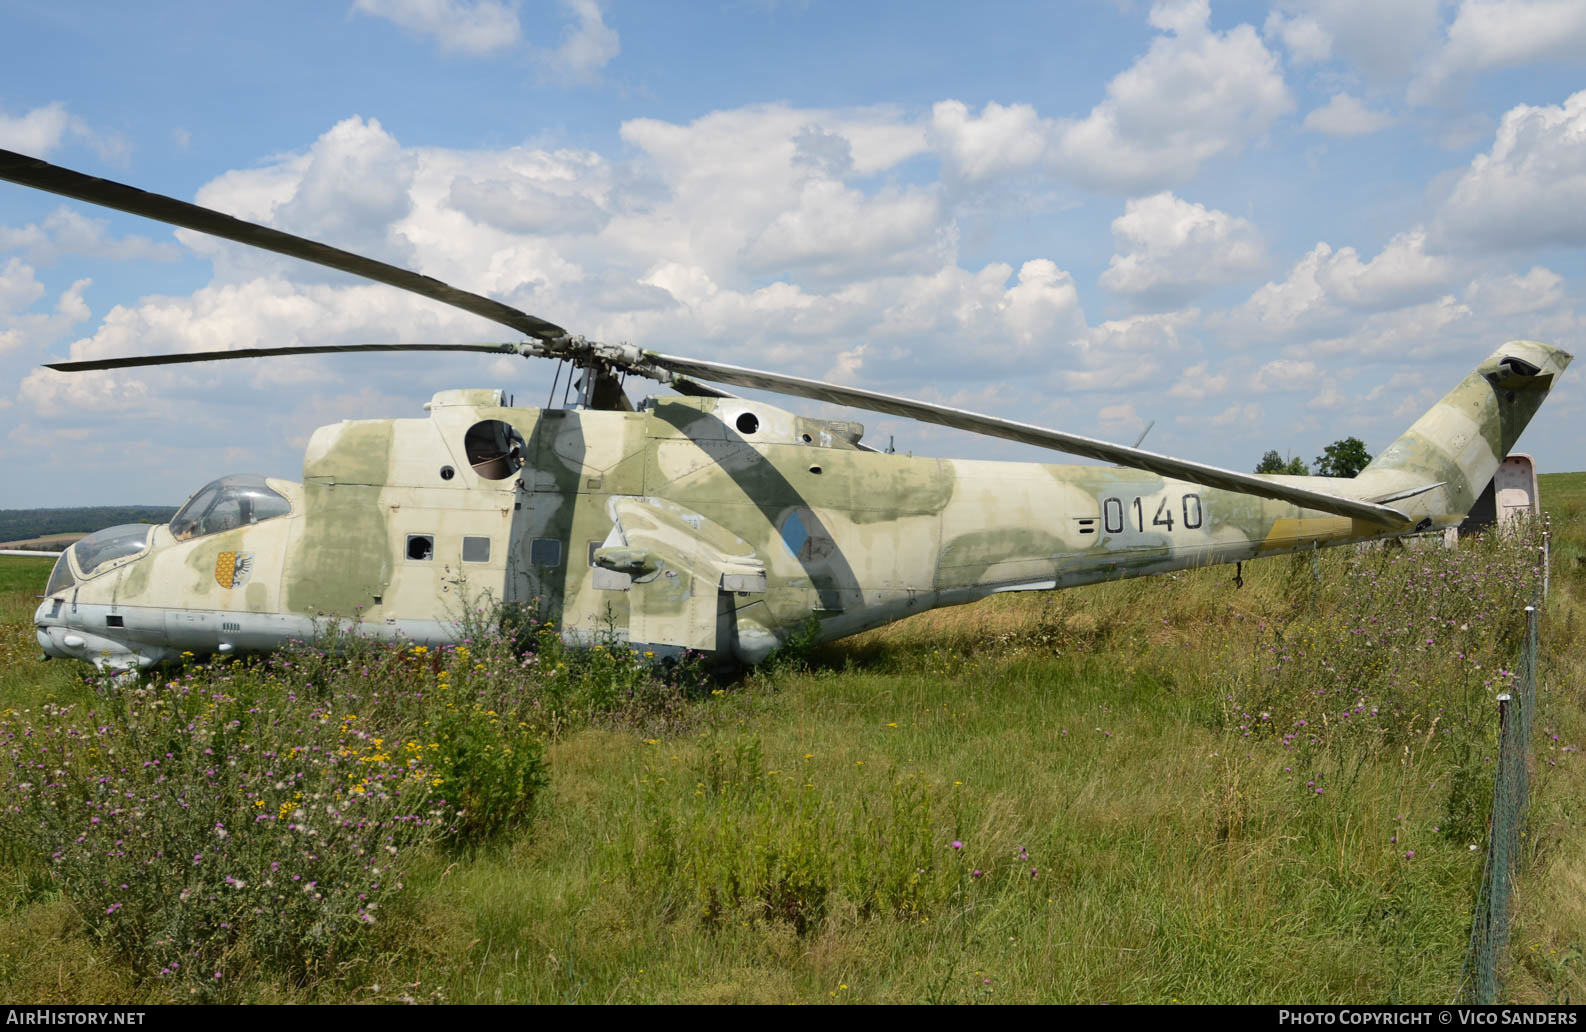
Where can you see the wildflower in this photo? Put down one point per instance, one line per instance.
(957, 844)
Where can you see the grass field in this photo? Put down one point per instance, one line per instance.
(1161, 790)
(45, 540)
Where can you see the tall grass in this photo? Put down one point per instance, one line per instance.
(1157, 790)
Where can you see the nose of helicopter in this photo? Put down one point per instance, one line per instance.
(59, 639)
(54, 637)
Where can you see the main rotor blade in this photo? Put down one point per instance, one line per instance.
(41, 175)
(217, 356)
(995, 426)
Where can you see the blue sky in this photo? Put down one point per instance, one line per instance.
(1260, 226)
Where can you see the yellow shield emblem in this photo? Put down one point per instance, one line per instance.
(232, 569)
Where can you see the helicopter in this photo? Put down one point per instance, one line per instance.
(699, 521)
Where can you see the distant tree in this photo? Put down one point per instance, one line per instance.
(1343, 458)
(1272, 462)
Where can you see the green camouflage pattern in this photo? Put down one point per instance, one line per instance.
(722, 525)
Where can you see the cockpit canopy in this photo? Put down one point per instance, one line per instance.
(226, 504)
(96, 550)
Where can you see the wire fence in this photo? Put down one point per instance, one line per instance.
(1489, 933)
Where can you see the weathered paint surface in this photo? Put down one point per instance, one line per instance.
(723, 524)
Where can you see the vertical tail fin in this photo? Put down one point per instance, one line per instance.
(1460, 442)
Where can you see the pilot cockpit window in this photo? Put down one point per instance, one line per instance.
(226, 504)
(108, 545)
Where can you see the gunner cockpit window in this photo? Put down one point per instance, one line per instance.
(226, 504)
(106, 546)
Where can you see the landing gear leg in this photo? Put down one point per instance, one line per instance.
(1239, 575)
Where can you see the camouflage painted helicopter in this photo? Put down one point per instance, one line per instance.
(701, 521)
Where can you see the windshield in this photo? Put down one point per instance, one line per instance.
(107, 546)
(61, 577)
(226, 504)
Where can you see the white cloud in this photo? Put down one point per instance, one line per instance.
(1194, 95)
(588, 44)
(1282, 374)
(67, 231)
(1510, 294)
(1000, 139)
(1327, 290)
(1346, 115)
(36, 132)
(1196, 382)
(1487, 34)
(47, 128)
(19, 288)
(1305, 40)
(1250, 414)
(1402, 273)
(537, 192)
(1381, 41)
(1116, 419)
(351, 190)
(480, 28)
(475, 27)
(1174, 249)
(21, 328)
(1530, 188)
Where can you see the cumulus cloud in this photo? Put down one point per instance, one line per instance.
(1282, 374)
(538, 192)
(1197, 382)
(1488, 34)
(482, 28)
(1346, 115)
(1174, 249)
(66, 231)
(47, 128)
(351, 190)
(1001, 139)
(588, 44)
(1194, 95)
(1305, 40)
(1250, 413)
(1382, 42)
(1530, 188)
(21, 327)
(474, 27)
(1327, 289)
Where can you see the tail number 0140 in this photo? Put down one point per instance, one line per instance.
(1116, 515)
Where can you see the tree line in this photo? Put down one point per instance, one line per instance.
(1344, 458)
(21, 524)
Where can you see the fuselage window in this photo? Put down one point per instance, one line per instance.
(546, 552)
(476, 550)
(495, 449)
(421, 547)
